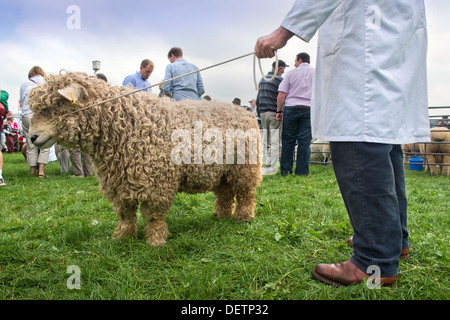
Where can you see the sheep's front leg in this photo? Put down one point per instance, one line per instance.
(156, 231)
(127, 226)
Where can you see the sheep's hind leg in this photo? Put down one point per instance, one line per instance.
(245, 205)
(156, 231)
(127, 226)
(433, 167)
(446, 165)
(224, 204)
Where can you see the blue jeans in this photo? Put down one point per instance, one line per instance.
(296, 128)
(372, 183)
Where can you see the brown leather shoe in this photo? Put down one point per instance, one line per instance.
(344, 274)
(404, 255)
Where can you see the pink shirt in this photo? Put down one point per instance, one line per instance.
(297, 84)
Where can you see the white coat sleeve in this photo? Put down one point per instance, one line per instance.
(306, 16)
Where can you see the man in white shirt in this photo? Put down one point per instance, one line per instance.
(370, 97)
(293, 106)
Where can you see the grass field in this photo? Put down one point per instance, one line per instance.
(49, 224)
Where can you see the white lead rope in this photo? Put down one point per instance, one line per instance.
(262, 73)
(188, 74)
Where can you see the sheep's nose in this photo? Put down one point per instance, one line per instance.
(33, 138)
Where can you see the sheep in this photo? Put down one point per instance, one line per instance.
(136, 142)
(320, 151)
(437, 152)
(409, 150)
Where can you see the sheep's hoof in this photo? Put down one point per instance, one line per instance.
(156, 233)
(156, 242)
(124, 230)
(223, 214)
(244, 217)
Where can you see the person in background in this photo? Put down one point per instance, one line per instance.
(81, 164)
(35, 157)
(139, 80)
(266, 102)
(2, 181)
(254, 110)
(444, 122)
(16, 128)
(101, 76)
(189, 87)
(10, 133)
(293, 107)
(236, 102)
(370, 97)
(64, 160)
(3, 111)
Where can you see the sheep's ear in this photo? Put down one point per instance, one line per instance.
(73, 93)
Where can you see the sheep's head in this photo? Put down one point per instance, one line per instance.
(55, 104)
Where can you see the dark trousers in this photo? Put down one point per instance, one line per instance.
(372, 183)
(10, 143)
(296, 130)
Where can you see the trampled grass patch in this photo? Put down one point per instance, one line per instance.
(49, 224)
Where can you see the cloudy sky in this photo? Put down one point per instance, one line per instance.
(121, 33)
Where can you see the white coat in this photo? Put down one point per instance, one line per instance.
(371, 77)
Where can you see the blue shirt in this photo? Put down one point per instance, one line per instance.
(189, 87)
(137, 82)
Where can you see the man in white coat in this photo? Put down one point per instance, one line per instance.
(370, 96)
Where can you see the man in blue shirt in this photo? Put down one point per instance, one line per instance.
(189, 87)
(139, 79)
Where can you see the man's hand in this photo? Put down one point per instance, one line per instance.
(281, 98)
(279, 116)
(266, 46)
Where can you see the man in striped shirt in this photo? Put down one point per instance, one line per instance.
(266, 103)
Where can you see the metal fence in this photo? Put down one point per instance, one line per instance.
(319, 154)
(432, 153)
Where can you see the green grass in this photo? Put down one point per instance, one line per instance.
(49, 224)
